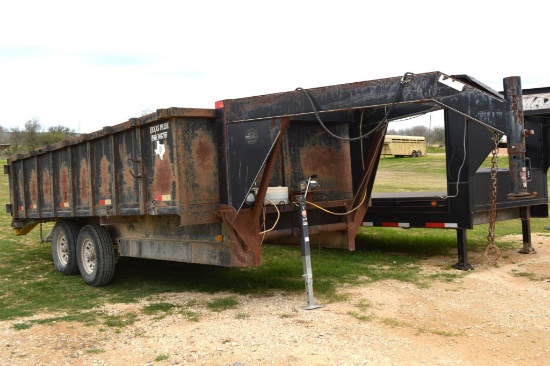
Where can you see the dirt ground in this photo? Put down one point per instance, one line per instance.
(491, 316)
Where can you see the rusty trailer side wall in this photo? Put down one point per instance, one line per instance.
(153, 181)
(164, 163)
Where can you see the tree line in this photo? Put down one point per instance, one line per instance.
(32, 136)
(435, 136)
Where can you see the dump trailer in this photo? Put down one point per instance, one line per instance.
(211, 185)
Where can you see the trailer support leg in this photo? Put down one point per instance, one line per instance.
(306, 252)
(525, 213)
(462, 244)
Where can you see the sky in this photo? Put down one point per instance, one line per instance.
(86, 65)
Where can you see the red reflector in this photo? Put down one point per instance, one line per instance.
(435, 224)
(390, 224)
(219, 104)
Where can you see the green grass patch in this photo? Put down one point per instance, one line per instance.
(159, 307)
(222, 303)
(396, 323)
(360, 316)
(120, 321)
(392, 322)
(393, 172)
(162, 357)
(94, 350)
(190, 315)
(22, 326)
(529, 275)
(363, 305)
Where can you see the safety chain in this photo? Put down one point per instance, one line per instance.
(491, 247)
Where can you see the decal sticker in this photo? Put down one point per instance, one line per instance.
(251, 136)
(159, 133)
(160, 149)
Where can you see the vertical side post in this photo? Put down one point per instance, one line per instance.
(516, 137)
(462, 245)
(306, 252)
(525, 214)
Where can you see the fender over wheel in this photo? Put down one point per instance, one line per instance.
(95, 255)
(64, 237)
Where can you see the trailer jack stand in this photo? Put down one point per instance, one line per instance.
(306, 253)
(462, 244)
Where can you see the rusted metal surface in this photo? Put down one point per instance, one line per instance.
(433, 87)
(84, 184)
(64, 185)
(309, 150)
(516, 138)
(46, 187)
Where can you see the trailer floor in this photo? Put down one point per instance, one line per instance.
(492, 315)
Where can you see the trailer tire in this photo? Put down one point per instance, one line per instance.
(64, 238)
(419, 154)
(95, 255)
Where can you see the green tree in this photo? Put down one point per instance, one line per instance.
(56, 134)
(32, 134)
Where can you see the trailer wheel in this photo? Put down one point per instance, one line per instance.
(95, 255)
(419, 153)
(64, 237)
(413, 154)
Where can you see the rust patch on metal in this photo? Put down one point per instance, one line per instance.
(64, 183)
(163, 178)
(84, 184)
(33, 186)
(20, 187)
(46, 186)
(332, 165)
(105, 178)
(202, 153)
(129, 165)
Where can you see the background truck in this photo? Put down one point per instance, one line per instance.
(191, 185)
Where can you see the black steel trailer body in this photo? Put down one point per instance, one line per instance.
(467, 200)
(210, 185)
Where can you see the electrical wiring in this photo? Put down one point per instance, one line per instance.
(461, 166)
(338, 213)
(276, 221)
(380, 125)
